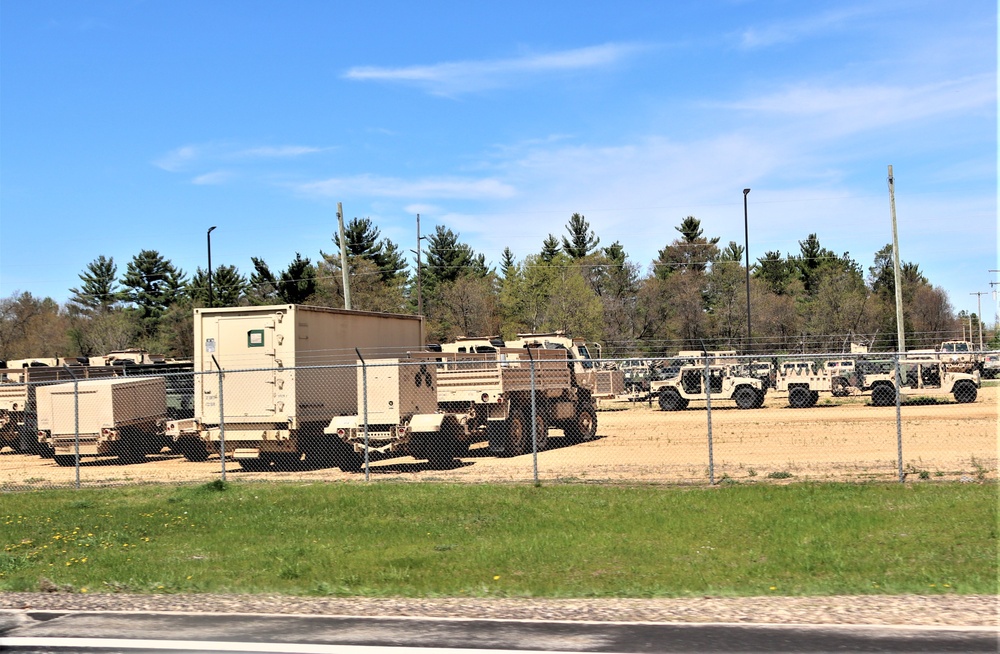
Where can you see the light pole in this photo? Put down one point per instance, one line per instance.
(209, 236)
(746, 241)
(420, 297)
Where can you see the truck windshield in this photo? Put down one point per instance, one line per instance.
(585, 355)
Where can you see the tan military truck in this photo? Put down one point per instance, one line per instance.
(288, 370)
(602, 381)
(687, 383)
(118, 416)
(921, 377)
(479, 397)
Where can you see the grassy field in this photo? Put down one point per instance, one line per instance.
(445, 540)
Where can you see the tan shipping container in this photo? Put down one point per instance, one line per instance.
(277, 346)
(108, 403)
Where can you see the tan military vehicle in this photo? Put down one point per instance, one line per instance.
(116, 416)
(289, 369)
(603, 381)
(675, 393)
(921, 377)
(478, 397)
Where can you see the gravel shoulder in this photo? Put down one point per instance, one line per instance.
(912, 610)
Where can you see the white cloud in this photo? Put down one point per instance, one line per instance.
(451, 78)
(217, 177)
(441, 187)
(789, 31)
(188, 157)
(283, 151)
(851, 109)
(178, 159)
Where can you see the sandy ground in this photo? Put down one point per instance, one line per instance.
(836, 440)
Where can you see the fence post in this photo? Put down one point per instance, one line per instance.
(76, 423)
(708, 411)
(899, 421)
(534, 430)
(364, 404)
(222, 422)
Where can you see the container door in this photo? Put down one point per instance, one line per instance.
(245, 349)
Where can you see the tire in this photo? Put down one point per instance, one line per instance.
(518, 434)
(583, 427)
(345, 458)
(192, 449)
(760, 399)
(541, 433)
(813, 398)
(746, 398)
(670, 400)
(255, 465)
(965, 392)
(883, 396)
(65, 460)
(798, 397)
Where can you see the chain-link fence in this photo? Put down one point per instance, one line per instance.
(514, 415)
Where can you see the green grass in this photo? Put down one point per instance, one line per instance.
(463, 540)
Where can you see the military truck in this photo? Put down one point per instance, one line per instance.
(116, 416)
(676, 392)
(287, 371)
(479, 397)
(601, 382)
(921, 377)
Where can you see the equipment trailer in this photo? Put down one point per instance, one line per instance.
(479, 397)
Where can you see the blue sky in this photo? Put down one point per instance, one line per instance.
(129, 125)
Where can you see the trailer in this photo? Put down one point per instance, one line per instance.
(116, 416)
(269, 379)
(480, 397)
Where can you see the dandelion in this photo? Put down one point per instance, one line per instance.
(774, 588)
(496, 577)
(83, 590)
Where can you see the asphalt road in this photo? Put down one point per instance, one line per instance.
(42, 631)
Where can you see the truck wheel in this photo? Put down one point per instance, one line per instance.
(883, 396)
(798, 397)
(583, 428)
(813, 398)
(541, 432)
(259, 464)
(670, 400)
(965, 392)
(65, 460)
(192, 449)
(345, 458)
(746, 398)
(518, 434)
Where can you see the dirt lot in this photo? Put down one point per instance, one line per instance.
(836, 440)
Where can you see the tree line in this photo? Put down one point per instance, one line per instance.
(691, 296)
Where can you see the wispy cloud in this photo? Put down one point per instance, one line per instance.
(452, 78)
(440, 187)
(852, 109)
(190, 158)
(209, 179)
(790, 31)
(283, 151)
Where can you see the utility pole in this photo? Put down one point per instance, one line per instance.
(900, 338)
(746, 242)
(979, 316)
(420, 299)
(343, 257)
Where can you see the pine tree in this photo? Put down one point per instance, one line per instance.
(582, 240)
(100, 290)
(152, 284)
